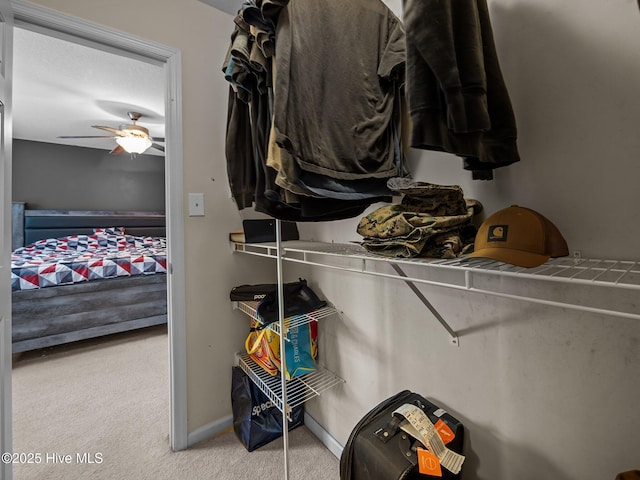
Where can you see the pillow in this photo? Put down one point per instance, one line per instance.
(110, 230)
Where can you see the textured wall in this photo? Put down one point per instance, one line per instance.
(534, 385)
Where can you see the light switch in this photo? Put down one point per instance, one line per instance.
(196, 204)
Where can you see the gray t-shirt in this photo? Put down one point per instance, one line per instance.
(339, 68)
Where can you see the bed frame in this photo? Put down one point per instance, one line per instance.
(67, 313)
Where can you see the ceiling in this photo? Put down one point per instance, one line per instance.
(228, 6)
(62, 88)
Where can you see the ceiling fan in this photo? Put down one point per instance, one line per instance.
(131, 138)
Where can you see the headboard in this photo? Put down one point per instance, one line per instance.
(32, 225)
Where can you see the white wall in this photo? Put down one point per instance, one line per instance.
(214, 332)
(572, 70)
(544, 392)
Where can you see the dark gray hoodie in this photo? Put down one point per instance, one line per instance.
(456, 95)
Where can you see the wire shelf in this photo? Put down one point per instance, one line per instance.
(299, 390)
(291, 322)
(589, 271)
(458, 273)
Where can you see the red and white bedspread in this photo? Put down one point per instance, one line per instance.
(78, 258)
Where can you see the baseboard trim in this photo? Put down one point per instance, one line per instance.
(210, 430)
(226, 423)
(324, 436)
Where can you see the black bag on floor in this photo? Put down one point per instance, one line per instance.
(256, 420)
(378, 449)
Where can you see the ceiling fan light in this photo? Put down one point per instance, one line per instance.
(134, 143)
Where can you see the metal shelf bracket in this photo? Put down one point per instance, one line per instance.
(452, 334)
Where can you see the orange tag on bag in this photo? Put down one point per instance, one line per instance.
(445, 433)
(428, 463)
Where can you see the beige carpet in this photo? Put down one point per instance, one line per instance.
(107, 402)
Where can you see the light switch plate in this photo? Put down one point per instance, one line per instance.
(196, 204)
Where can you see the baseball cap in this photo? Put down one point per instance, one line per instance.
(519, 236)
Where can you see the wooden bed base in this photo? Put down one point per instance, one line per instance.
(67, 313)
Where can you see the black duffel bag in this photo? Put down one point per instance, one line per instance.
(299, 299)
(378, 449)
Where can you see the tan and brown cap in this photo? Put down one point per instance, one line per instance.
(519, 236)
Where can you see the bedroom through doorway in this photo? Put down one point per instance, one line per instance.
(135, 167)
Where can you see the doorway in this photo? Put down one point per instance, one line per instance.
(33, 17)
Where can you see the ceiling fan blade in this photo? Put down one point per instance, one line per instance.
(110, 129)
(117, 151)
(86, 136)
(157, 139)
(157, 147)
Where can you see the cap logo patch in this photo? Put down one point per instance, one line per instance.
(497, 233)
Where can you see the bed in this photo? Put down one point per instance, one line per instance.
(63, 292)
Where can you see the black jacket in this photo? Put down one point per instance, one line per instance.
(456, 95)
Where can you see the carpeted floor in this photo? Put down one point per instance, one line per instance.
(103, 407)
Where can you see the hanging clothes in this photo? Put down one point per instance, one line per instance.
(457, 97)
(275, 82)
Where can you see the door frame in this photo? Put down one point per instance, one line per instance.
(54, 23)
(6, 65)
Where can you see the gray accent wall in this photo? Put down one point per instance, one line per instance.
(52, 176)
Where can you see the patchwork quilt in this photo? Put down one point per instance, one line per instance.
(79, 258)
